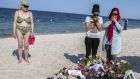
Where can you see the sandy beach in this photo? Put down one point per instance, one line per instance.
(53, 52)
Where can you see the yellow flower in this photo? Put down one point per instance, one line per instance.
(111, 71)
(118, 63)
(124, 61)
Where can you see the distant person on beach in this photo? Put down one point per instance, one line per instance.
(93, 27)
(23, 27)
(125, 24)
(112, 36)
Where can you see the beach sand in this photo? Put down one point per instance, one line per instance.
(53, 52)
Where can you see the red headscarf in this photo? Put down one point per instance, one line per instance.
(111, 26)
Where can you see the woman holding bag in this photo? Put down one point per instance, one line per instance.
(23, 28)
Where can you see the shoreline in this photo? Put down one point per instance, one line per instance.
(38, 34)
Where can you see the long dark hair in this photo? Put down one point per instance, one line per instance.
(96, 8)
(118, 12)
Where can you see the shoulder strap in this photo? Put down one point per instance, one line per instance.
(29, 14)
(18, 12)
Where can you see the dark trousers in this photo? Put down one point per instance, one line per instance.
(91, 45)
(109, 55)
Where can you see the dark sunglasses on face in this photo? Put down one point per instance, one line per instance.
(114, 14)
(96, 15)
(26, 6)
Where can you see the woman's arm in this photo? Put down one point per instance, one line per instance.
(87, 24)
(15, 24)
(120, 25)
(99, 24)
(105, 25)
(32, 23)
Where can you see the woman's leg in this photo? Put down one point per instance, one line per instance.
(20, 45)
(88, 46)
(26, 46)
(95, 45)
(108, 51)
(114, 57)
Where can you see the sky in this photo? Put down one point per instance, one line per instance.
(128, 8)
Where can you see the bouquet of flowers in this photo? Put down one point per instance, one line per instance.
(94, 68)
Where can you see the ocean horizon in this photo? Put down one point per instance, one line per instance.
(51, 22)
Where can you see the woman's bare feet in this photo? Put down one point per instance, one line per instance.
(19, 61)
(27, 61)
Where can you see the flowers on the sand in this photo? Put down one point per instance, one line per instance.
(94, 68)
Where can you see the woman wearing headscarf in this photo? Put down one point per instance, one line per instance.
(112, 36)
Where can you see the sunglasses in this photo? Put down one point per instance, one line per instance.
(96, 15)
(114, 14)
(26, 6)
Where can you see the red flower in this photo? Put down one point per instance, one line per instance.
(64, 68)
(108, 62)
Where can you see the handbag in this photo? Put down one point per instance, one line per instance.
(31, 40)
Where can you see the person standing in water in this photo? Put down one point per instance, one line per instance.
(125, 24)
(23, 27)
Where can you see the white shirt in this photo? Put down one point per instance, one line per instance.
(88, 19)
(91, 34)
